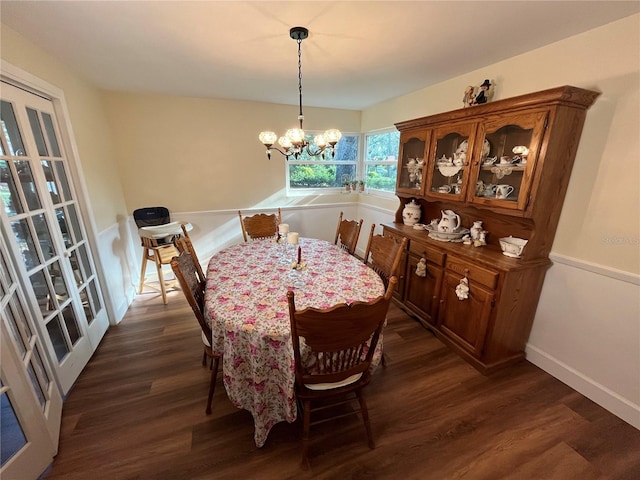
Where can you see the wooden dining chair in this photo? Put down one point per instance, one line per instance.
(260, 225)
(184, 244)
(347, 234)
(185, 270)
(383, 254)
(333, 349)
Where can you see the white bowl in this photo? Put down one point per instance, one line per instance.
(512, 246)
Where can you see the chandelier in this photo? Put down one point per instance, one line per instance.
(293, 143)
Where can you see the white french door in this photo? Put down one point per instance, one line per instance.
(45, 233)
(30, 401)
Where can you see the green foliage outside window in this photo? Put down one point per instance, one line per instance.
(380, 164)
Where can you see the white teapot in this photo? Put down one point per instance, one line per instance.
(450, 221)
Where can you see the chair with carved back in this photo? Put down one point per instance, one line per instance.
(347, 234)
(260, 225)
(333, 349)
(184, 244)
(185, 270)
(383, 254)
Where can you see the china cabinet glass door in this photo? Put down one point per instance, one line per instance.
(412, 162)
(503, 175)
(450, 161)
(46, 234)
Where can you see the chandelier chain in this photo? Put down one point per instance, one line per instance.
(300, 77)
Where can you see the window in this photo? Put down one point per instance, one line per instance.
(315, 173)
(378, 166)
(381, 160)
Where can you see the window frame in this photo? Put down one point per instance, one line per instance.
(360, 167)
(364, 162)
(297, 192)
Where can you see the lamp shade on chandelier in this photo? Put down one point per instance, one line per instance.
(293, 142)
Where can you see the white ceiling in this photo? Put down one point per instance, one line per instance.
(357, 54)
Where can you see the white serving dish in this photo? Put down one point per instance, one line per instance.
(446, 236)
(512, 246)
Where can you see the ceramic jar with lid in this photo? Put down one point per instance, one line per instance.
(411, 213)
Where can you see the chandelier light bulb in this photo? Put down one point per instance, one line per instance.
(320, 141)
(296, 135)
(268, 138)
(285, 142)
(332, 136)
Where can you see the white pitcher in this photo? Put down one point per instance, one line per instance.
(450, 221)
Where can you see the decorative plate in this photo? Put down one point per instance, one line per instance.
(486, 147)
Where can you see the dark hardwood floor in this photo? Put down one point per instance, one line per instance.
(137, 412)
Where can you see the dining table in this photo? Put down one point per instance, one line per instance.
(246, 305)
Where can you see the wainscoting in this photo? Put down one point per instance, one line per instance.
(586, 333)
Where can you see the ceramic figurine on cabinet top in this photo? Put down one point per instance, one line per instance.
(484, 93)
(469, 96)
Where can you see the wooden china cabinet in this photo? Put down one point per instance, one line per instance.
(507, 164)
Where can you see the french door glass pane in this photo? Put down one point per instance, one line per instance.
(41, 372)
(51, 134)
(43, 295)
(62, 178)
(64, 228)
(75, 223)
(15, 333)
(75, 266)
(86, 305)
(9, 191)
(12, 437)
(23, 167)
(59, 285)
(37, 132)
(95, 299)
(71, 323)
(25, 243)
(21, 317)
(11, 130)
(57, 338)
(36, 385)
(44, 237)
(52, 184)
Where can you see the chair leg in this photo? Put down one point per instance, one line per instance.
(306, 422)
(365, 418)
(204, 357)
(212, 384)
(163, 287)
(143, 270)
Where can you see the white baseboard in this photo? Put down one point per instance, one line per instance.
(621, 407)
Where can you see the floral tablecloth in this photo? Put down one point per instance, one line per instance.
(246, 303)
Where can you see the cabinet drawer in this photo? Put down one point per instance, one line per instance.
(389, 233)
(433, 255)
(478, 274)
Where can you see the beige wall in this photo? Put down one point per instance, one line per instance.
(194, 154)
(600, 221)
(91, 131)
